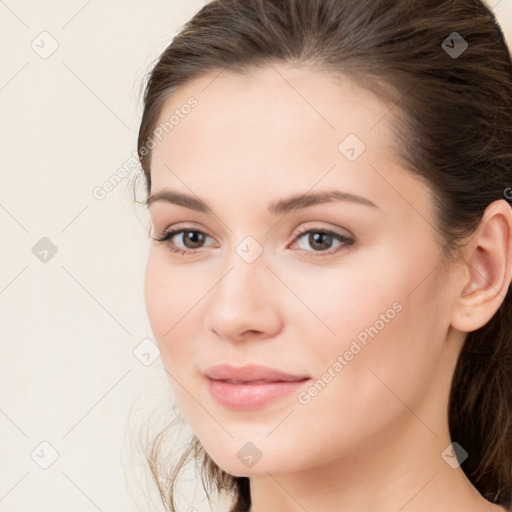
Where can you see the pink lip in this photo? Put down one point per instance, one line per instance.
(250, 373)
(251, 386)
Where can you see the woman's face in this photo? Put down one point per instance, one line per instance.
(363, 317)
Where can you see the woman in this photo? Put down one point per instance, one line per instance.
(328, 278)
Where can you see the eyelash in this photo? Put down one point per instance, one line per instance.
(167, 235)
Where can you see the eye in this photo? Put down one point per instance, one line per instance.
(319, 239)
(192, 237)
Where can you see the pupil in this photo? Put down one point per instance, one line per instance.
(315, 237)
(191, 236)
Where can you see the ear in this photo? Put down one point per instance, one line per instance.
(487, 269)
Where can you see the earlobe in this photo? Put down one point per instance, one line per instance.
(488, 272)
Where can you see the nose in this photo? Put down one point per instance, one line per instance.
(245, 301)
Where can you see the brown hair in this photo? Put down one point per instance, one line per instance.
(452, 117)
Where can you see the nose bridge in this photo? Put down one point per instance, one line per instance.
(243, 299)
(246, 275)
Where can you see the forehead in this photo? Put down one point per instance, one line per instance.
(275, 127)
(283, 107)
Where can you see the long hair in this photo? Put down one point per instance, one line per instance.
(451, 108)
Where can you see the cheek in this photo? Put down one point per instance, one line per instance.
(165, 294)
(345, 304)
(174, 296)
(156, 291)
(381, 331)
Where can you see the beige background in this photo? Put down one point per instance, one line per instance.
(72, 367)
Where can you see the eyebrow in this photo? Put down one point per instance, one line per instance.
(279, 207)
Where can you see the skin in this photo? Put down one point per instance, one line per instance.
(373, 438)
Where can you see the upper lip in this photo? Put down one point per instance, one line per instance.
(250, 373)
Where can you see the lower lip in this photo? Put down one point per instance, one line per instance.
(250, 396)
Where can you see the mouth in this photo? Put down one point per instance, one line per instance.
(251, 373)
(252, 395)
(254, 382)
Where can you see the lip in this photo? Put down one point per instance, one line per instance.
(250, 387)
(250, 373)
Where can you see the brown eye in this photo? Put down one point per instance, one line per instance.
(321, 240)
(191, 240)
